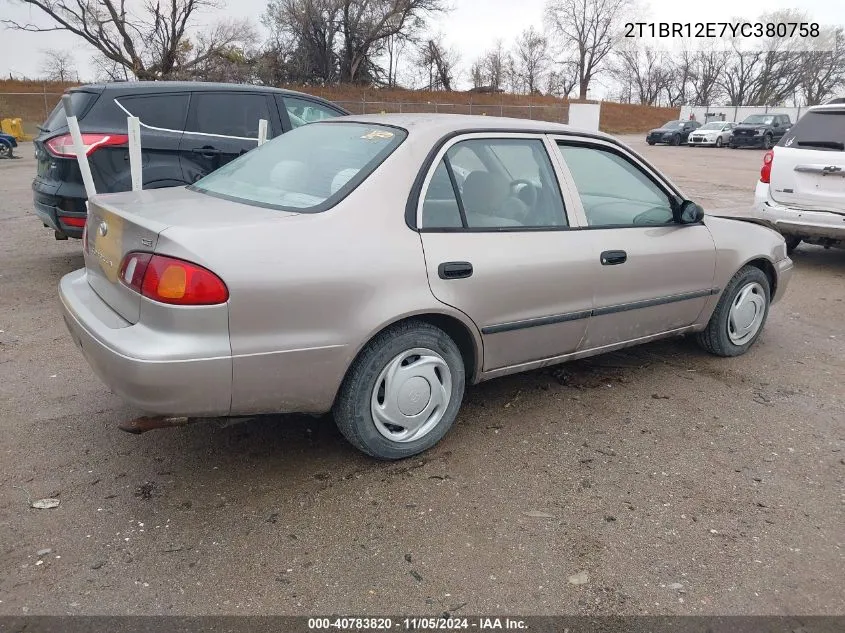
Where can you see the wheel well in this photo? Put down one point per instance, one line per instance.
(769, 270)
(456, 330)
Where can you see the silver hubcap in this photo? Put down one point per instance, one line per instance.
(411, 395)
(746, 315)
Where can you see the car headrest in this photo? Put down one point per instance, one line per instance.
(483, 192)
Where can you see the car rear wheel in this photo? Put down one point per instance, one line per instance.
(403, 392)
(5, 150)
(740, 315)
(650, 142)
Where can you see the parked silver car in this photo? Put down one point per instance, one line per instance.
(373, 266)
(714, 134)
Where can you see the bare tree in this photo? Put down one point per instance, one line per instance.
(561, 82)
(588, 29)
(530, 59)
(151, 43)
(823, 71)
(491, 69)
(642, 72)
(439, 62)
(707, 66)
(58, 65)
(366, 25)
(303, 47)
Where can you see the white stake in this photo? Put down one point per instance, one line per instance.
(133, 124)
(262, 131)
(79, 148)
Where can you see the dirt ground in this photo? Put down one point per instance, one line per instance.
(677, 482)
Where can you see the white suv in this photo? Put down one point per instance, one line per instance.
(801, 191)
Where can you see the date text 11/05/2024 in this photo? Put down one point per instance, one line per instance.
(722, 29)
(417, 624)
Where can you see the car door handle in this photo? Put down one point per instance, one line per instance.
(611, 258)
(207, 151)
(454, 270)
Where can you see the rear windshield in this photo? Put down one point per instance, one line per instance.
(819, 129)
(80, 102)
(759, 119)
(308, 169)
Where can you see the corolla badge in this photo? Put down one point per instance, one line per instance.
(103, 229)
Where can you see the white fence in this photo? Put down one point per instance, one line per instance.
(736, 113)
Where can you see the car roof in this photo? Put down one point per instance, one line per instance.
(445, 124)
(827, 107)
(185, 86)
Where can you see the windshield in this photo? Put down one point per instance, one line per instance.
(759, 119)
(308, 169)
(673, 125)
(713, 125)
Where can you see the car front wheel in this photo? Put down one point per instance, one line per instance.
(403, 392)
(718, 141)
(740, 315)
(676, 140)
(767, 141)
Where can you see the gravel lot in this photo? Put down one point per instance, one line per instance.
(678, 482)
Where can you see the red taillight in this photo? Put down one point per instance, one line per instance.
(63, 145)
(75, 222)
(766, 169)
(171, 280)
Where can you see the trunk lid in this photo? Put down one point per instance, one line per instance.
(133, 220)
(808, 169)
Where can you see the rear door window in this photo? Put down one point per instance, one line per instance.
(165, 111)
(302, 111)
(233, 114)
(818, 130)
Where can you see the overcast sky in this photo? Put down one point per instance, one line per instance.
(471, 27)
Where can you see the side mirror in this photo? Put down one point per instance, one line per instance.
(690, 213)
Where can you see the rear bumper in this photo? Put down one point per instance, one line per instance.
(59, 212)
(151, 369)
(796, 222)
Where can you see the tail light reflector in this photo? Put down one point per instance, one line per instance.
(766, 169)
(62, 146)
(171, 280)
(75, 222)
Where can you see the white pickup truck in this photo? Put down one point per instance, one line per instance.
(801, 191)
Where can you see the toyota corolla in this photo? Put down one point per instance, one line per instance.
(374, 266)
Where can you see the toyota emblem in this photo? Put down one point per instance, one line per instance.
(103, 229)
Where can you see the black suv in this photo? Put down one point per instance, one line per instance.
(187, 130)
(760, 130)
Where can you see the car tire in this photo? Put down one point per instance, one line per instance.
(767, 141)
(362, 409)
(740, 314)
(676, 140)
(650, 142)
(718, 141)
(792, 243)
